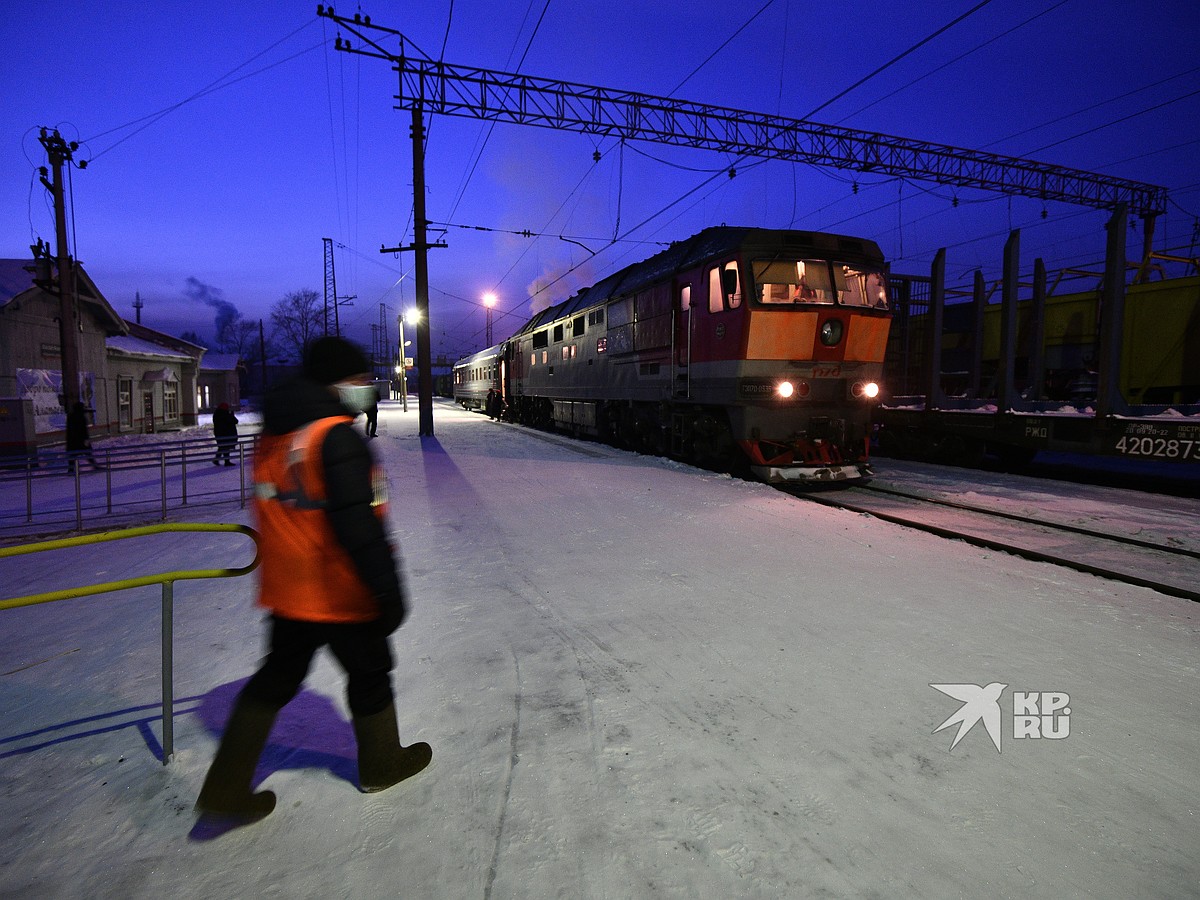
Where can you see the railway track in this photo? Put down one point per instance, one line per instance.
(1160, 564)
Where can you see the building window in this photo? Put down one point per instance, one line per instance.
(170, 403)
(125, 403)
(203, 396)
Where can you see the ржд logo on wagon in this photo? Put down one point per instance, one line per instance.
(1036, 714)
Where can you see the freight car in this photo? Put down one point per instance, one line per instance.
(1112, 370)
(735, 346)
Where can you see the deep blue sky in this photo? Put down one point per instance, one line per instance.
(228, 196)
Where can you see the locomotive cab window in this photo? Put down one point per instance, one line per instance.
(860, 287)
(792, 281)
(724, 288)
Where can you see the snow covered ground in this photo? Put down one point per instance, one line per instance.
(639, 680)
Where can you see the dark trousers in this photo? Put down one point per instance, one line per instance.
(365, 657)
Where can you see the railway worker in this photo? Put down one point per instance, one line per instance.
(328, 578)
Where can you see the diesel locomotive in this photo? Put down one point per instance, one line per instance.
(736, 344)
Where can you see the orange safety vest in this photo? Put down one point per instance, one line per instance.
(305, 573)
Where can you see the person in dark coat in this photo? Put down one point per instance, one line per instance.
(372, 411)
(225, 431)
(328, 578)
(79, 443)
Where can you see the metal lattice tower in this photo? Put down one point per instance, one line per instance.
(330, 288)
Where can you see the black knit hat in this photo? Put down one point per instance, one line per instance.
(329, 360)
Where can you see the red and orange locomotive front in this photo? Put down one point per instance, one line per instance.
(737, 342)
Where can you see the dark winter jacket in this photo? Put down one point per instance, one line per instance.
(347, 468)
(77, 427)
(224, 423)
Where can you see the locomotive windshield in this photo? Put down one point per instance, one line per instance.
(790, 281)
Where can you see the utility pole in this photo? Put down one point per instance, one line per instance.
(420, 248)
(59, 153)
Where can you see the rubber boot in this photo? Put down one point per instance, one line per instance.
(382, 762)
(226, 789)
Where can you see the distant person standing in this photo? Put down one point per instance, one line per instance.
(225, 431)
(79, 443)
(328, 578)
(372, 412)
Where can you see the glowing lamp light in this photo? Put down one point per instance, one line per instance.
(868, 389)
(785, 389)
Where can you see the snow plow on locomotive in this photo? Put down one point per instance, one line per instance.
(735, 346)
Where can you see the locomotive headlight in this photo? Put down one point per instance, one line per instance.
(785, 389)
(831, 332)
(867, 389)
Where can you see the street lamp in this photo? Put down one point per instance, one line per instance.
(489, 300)
(412, 317)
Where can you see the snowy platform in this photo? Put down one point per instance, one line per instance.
(639, 680)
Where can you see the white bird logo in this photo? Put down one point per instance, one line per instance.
(979, 703)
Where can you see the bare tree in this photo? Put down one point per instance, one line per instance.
(241, 337)
(297, 319)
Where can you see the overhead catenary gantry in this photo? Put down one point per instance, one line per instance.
(427, 85)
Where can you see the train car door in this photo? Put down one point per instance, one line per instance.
(682, 339)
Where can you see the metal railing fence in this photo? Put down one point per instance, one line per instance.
(140, 478)
(166, 579)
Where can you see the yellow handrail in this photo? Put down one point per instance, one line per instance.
(126, 583)
(166, 579)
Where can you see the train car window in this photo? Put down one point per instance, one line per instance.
(860, 287)
(724, 288)
(685, 297)
(577, 326)
(558, 333)
(541, 339)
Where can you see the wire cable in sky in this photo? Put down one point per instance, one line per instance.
(951, 62)
(974, 9)
(1085, 109)
(492, 126)
(1142, 112)
(220, 84)
(761, 10)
